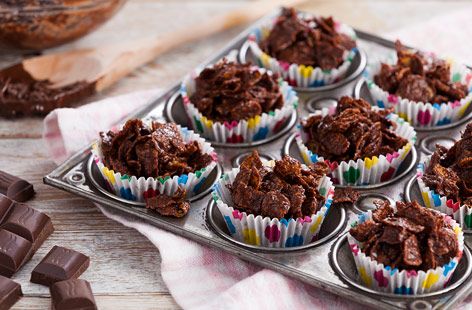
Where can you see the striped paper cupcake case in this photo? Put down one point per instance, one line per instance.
(406, 282)
(301, 75)
(421, 114)
(365, 171)
(254, 129)
(266, 231)
(137, 188)
(460, 213)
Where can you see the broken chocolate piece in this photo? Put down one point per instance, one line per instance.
(354, 132)
(420, 79)
(229, 91)
(410, 237)
(72, 294)
(10, 293)
(175, 205)
(15, 188)
(157, 150)
(307, 41)
(289, 190)
(58, 265)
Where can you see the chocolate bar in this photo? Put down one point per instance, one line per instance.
(22, 231)
(58, 265)
(10, 293)
(72, 294)
(15, 188)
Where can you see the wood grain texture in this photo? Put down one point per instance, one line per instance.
(125, 266)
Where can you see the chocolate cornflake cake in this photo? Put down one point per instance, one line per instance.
(307, 41)
(419, 78)
(229, 91)
(174, 206)
(354, 132)
(345, 196)
(410, 237)
(286, 191)
(157, 150)
(449, 172)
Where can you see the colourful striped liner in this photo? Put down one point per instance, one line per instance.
(137, 188)
(460, 213)
(266, 231)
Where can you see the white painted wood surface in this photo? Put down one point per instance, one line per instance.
(125, 266)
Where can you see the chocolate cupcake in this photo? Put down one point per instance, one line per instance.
(307, 51)
(274, 204)
(237, 103)
(422, 88)
(361, 144)
(445, 179)
(142, 160)
(405, 249)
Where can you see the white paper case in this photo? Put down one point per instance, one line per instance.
(266, 231)
(421, 114)
(301, 75)
(460, 213)
(254, 129)
(406, 282)
(140, 188)
(363, 171)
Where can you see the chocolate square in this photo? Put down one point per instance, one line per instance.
(10, 293)
(58, 265)
(28, 223)
(6, 204)
(14, 252)
(72, 294)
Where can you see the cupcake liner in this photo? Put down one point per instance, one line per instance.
(266, 231)
(460, 213)
(406, 282)
(140, 188)
(365, 171)
(254, 129)
(421, 114)
(301, 75)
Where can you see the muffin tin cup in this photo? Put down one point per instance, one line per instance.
(265, 231)
(461, 213)
(421, 114)
(368, 171)
(140, 188)
(406, 282)
(254, 129)
(301, 75)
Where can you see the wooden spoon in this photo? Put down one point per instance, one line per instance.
(95, 69)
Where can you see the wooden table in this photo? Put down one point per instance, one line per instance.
(125, 266)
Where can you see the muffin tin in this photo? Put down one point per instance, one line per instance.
(325, 263)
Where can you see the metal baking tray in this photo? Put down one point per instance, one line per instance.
(325, 263)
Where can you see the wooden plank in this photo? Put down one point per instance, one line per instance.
(149, 301)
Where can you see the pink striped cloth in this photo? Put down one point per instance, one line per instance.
(200, 277)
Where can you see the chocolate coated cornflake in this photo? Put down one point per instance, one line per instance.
(450, 171)
(345, 196)
(286, 191)
(354, 131)
(310, 42)
(230, 91)
(410, 237)
(175, 205)
(416, 78)
(156, 151)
